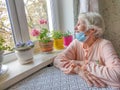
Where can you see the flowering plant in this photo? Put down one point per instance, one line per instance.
(21, 46)
(42, 35)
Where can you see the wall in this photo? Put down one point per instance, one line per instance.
(110, 10)
(66, 17)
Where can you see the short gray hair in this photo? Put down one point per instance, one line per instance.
(93, 20)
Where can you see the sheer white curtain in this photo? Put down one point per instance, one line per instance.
(53, 15)
(88, 6)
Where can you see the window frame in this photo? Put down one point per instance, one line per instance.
(18, 20)
(19, 26)
(18, 23)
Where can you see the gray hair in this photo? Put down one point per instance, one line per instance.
(95, 21)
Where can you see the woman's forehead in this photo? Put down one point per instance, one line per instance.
(80, 20)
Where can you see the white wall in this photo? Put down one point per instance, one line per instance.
(66, 16)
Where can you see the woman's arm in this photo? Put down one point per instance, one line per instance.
(66, 61)
(110, 73)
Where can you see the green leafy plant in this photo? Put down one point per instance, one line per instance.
(44, 36)
(68, 33)
(57, 34)
(2, 44)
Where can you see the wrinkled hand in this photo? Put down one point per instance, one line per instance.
(70, 66)
(91, 79)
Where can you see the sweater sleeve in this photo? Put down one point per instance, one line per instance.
(66, 61)
(110, 72)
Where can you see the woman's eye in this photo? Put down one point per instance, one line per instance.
(78, 24)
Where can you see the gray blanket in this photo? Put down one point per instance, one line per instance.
(50, 78)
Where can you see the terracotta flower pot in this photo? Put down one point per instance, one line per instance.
(46, 47)
(58, 44)
(67, 40)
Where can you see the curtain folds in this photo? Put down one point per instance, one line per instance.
(53, 16)
(76, 10)
(88, 6)
(82, 6)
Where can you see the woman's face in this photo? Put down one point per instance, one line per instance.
(80, 26)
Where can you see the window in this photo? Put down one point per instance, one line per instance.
(5, 26)
(18, 23)
(24, 15)
(35, 11)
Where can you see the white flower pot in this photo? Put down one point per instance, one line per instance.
(25, 56)
(1, 58)
(3, 68)
(1, 55)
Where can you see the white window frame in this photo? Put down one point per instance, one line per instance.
(19, 22)
(19, 25)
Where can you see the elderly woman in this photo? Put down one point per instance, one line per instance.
(89, 55)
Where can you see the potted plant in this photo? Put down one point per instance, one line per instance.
(58, 39)
(3, 47)
(24, 51)
(67, 38)
(44, 37)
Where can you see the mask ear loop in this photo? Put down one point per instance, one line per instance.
(98, 30)
(90, 30)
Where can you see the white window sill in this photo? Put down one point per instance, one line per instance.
(17, 72)
(9, 57)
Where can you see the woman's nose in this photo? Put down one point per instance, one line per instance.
(76, 28)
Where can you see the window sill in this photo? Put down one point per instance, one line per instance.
(17, 72)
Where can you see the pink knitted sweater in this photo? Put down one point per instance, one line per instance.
(101, 58)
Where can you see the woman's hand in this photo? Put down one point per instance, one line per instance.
(91, 79)
(71, 67)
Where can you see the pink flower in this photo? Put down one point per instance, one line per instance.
(35, 32)
(45, 21)
(42, 21)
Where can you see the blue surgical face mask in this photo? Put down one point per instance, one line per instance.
(81, 36)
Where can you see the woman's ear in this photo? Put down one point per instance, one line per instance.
(92, 31)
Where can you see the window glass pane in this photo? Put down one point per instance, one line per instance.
(36, 10)
(5, 27)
